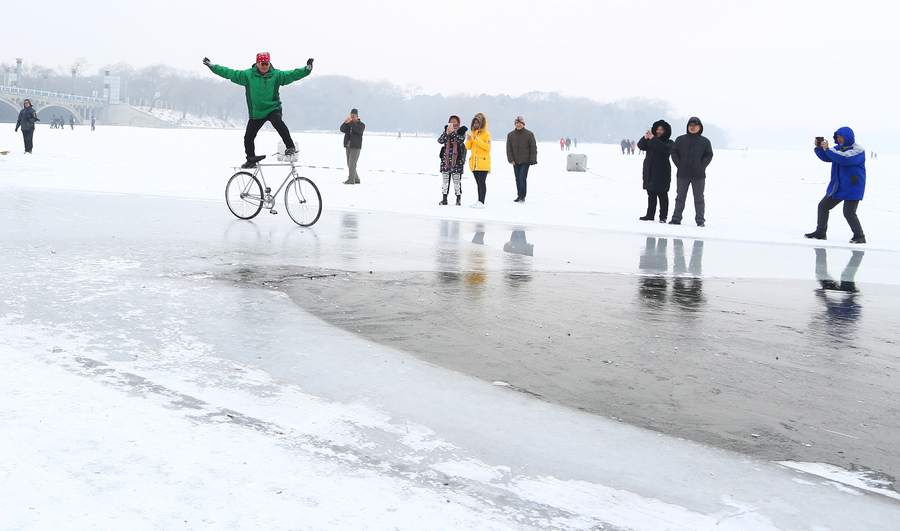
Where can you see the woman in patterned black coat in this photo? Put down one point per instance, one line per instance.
(453, 158)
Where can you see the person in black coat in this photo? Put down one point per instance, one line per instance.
(657, 146)
(27, 117)
(691, 154)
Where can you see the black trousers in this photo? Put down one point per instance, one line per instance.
(28, 135)
(850, 206)
(663, 197)
(254, 125)
(481, 181)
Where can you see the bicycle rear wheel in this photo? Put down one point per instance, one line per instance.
(303, 201)
(244, 195)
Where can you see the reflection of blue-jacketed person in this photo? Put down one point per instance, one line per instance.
(453, 158)
(848, 182)
(27, 117)
(261, 83)
(353, 130)
(521, 152)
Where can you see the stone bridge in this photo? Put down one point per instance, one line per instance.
(83, 108)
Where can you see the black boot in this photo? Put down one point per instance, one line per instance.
(459, 200)
(816, 235)
(444, 200)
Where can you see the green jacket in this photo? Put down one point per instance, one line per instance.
(261, 90)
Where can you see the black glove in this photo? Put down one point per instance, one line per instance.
(207, 62)
(854, 179)
(462, 130)
(309, 64)
(17, 128)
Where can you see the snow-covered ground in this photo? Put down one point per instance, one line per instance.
(119, 410)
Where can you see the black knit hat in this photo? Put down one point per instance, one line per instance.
(354, 112)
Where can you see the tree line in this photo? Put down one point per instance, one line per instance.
(322, 102)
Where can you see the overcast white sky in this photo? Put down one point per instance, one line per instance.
(784, 66)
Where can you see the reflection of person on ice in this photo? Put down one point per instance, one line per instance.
(261, 83)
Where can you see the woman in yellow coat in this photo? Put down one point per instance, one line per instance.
(478, 142)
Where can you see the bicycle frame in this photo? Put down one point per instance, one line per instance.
(269, 199)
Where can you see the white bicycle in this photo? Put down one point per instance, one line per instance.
(247, 194)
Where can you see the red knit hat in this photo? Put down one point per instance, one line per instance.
(262, 57)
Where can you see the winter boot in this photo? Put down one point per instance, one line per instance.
(858, 239)
(251, 161)
(646, 218)
(444, 200)
(815, 235)
(459, 200)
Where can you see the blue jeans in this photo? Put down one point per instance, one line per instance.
(521, 171)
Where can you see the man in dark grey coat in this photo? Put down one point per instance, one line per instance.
(691, 154)
(27, 117)
(353, 130)
(521, 152)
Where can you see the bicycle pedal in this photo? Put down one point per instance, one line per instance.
(273, 211)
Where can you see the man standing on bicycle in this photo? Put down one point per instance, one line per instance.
(261, 83)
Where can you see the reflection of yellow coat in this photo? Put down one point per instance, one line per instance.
(480, 148)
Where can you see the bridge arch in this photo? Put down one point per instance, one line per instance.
(81, 107)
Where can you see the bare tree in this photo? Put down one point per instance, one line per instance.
(154, 81)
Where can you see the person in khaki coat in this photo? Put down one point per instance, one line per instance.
(521, 152)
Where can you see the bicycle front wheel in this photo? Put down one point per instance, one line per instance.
(244, 195)
(303, 201)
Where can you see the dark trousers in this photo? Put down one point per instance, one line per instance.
(697, 185)
(850, 206)
(481, 181)
(254, 125)
(521, 171)
(28, 135)
(663, 197)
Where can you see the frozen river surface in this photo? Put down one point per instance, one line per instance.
(169, 366)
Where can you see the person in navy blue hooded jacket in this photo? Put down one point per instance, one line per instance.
(847, 184)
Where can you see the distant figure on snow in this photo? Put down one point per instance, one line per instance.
(568, 143)
(521, 152)
(691, 154)
(847, 184)
(72, 122)
(93, 123)
(657, 172)
(353, 130)
(261, 82)
(453, 158)
(27, 117)
(562, 144)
